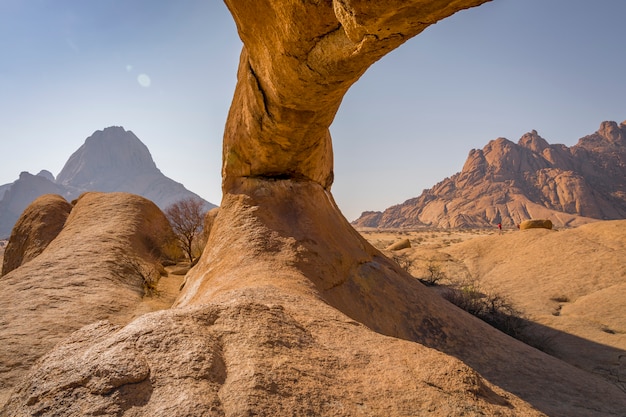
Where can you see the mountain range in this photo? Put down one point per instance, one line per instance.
(507, 182)
(112, 159)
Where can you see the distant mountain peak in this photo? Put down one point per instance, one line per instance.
(533, 141)
(112, 159)
(106, 156)
(612, 132)
(508, 183)
(46, 174)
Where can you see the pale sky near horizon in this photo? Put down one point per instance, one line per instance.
(166, 71)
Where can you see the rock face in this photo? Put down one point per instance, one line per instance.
(110, 160)
(508, 183)
(40, 223)
(80, 277)
(298, 61)
(202, 370)
(289, 310)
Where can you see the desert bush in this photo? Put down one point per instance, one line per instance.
(498, 312)
(491, 308)
(404, 262)
(435, 273)
(148, 273)
(172, 251)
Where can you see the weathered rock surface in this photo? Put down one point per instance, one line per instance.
(267, 325)
(209, 219)
(508, 183)
(40, 223)
(298, 61)
(80, 277)
(242, 357)
(289, 310)
(110, 160)
(402, 244)
(535, 224)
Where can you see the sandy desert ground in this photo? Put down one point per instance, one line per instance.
(568, 285)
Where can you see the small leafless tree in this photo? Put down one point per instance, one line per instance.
(187, 218)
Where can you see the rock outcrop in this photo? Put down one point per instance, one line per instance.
(508, 183)
(402, 244)
(110, 160)
(535, 224)
(83, 275)
(289, 310)
(244, 357)
(40, 223)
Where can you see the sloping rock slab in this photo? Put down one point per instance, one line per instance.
(243, 357)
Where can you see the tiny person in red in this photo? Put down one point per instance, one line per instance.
(500, 228)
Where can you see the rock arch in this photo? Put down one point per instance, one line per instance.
(298, 60)
(277, 316)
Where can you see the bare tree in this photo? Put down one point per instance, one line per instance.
(187, 218)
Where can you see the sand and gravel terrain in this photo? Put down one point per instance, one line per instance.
(569, 284)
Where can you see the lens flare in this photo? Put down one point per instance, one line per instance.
(144, 80)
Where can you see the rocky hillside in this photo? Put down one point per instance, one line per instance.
(110, 160)
(509, 182)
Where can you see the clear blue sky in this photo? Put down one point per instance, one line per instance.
(166, 71)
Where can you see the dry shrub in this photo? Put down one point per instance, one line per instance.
(435, 273)
(149, 274)
(404, 262)
(497, 311)
(434, 270)
(491, 308)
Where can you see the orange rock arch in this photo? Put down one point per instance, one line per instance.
(298, 60)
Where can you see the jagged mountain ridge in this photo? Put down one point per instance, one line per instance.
(110, 160)
(508, 183)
